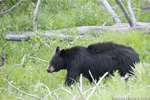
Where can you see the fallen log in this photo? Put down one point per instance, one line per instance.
(145, 7)
(63, 33)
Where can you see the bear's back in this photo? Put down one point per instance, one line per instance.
(107, 46)
(102, 47)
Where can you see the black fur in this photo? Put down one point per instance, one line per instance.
(98, 58)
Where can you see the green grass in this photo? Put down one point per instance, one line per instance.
(32, 74)
(58, 14)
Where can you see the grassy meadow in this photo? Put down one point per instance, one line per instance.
(32, 77)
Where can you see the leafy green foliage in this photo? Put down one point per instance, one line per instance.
(32, 74)
(57, 14)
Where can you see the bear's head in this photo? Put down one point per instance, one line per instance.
(57, 62)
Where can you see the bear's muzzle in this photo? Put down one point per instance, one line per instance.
(50, 69)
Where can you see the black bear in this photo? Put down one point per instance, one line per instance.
(98, 58)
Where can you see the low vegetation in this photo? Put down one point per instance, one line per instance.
(32, 78)
(32, 74)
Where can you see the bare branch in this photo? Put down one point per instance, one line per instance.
(111, 11)
(52, 92)
(47, 45)
(108, 20)
(56, 96)
(80, 90)
(131, 11)
(19, 98)
(21, 90)
(23, 59)
(37, 58)
(81, 82)
(9, 87)
(94, 81)
(10, 91)
(11, 8)
(36, 15)
(148, 1)
(16, 65)
(66, 90)
(97, 85)
(47, 89)
(125, 12)
(3, 62)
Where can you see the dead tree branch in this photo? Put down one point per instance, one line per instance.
(47, 45)
(111, 11)
(3, 62)
(97, 85)
(22, 91)
(125, 12)
(94, 81)
(81, 82)
(57, 90)
(11, 8)
(37, 58)
(36, 15)
(16, 66)
(23, 59)
(10, 92)
(131, 11)
(80, 90)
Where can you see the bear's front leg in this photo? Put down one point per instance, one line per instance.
(71, 77)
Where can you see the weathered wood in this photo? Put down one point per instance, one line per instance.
(145, 7)
(11, 7)
(125, 12)
(131, 11)
(3, 62)
(111, 11)
(121, 27)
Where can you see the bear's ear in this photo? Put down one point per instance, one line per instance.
(57, 49)
(62, 53)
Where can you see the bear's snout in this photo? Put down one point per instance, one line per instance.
(50, 69)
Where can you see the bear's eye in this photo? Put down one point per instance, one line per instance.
(53, 63)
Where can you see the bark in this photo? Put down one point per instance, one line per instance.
(3, 62)
(131, 11)
(121, 27)
(36, 15)
(11, 8)
(111, 11)
(125, 12)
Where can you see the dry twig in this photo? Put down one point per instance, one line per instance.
(16, 66)
(131, 11)
(125, 12)
(36, 15)
(47, 45)
(21, 90)
(97, 85)
(111, 11)
(81, 82)
(3, 62)
(80, 91)
(11, 8)
(94, 81)
(23, 59)
(10, 91)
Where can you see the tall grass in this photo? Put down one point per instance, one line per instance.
(57, 14)
(32, 74)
